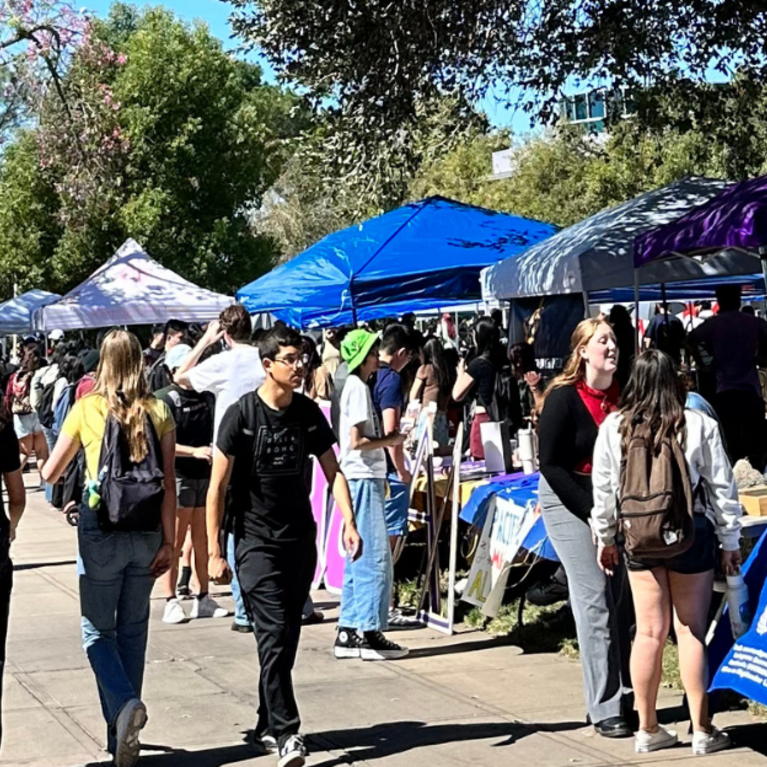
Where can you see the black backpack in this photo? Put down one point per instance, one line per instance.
(506, 405)
(131, 494)
(45, 408)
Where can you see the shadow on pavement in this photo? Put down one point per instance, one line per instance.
(382, 740)
(753, 736)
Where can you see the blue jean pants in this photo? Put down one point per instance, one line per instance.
(240, 616)
(115, 586)
(51, 442)
(367, 585)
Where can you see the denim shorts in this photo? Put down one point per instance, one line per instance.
(699, 558)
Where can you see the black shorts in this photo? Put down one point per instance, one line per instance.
(191, 493)
(699, 558)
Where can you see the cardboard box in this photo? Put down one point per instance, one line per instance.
(754, 500)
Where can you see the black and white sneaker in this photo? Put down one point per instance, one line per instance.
(375, 646)
(293, 752)
(347, 644)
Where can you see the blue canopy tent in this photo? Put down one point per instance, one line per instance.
(16, 313)
(421, 256)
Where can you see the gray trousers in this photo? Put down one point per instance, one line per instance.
(601, 606)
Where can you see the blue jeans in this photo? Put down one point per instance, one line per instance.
(367, 583)
(240, 616)
(115, 586)
(50, 441)
(397, 505)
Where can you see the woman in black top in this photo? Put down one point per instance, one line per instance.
(10, 467)
(577, 402)
(477, 380)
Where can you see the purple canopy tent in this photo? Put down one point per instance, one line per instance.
(734, 222)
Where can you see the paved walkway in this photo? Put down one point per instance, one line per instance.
(462, 700)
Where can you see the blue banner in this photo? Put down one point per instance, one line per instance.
(744, 668)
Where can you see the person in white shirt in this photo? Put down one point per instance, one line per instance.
(655, 399)
(368, 580)
(228, 376)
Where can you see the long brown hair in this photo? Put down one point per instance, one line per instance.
(120, 380)
(575, 367)
(654, 399)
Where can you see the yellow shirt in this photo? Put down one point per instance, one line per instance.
(87, 422)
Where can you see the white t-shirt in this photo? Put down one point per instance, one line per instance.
(228, 376)
(356, 408)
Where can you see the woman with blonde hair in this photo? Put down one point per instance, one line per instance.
(576, 404)
(119, 562)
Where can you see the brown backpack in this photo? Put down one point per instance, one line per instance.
(655, 506)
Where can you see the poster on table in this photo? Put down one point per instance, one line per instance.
(506, 527)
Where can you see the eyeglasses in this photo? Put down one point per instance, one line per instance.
(291, 361)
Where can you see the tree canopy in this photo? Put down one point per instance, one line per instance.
(382, 58)
(163, 137)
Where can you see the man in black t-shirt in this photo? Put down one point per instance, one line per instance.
(264, 446)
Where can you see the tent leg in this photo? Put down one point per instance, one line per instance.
(763, 262)
(636, 311)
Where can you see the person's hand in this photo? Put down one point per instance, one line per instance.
(213, 332)
(162, 561)
(12, 533)
(731, 561)
(218, 570)
(395, 438)
(204, 453)
(608, 559)
(352, 542)
(405, 476)
(532, 379)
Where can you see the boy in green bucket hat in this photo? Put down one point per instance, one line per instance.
(367, 582)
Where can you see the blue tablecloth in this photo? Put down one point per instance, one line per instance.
(521, 489)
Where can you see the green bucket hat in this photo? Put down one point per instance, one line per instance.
(356, 346)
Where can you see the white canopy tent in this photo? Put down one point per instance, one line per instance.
(131, 289)
(597, 253)
(16, 313)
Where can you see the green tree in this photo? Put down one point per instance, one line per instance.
(172, 141)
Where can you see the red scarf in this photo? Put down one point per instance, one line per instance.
(599, 404)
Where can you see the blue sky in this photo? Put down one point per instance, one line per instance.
(215, 13)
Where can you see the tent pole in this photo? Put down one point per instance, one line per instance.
(763, 262)
(636, 310)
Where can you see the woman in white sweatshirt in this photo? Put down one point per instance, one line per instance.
(681, 585)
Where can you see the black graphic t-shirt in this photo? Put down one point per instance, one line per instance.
(270, 485)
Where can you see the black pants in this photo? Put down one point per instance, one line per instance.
(743, 422)
(6, 584)
(275, 579)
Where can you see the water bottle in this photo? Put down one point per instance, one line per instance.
(737, 604)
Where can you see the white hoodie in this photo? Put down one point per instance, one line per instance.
(708, 464)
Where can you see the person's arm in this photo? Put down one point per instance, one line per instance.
(463, 383)
(213, 334)
(715, 471)
(555, 445)
(204, 453)
(604, 515)
(391, 419)
(64, 452)
(17, 498)
(220, 475)
(358, 440)
(340, 488)
(417, 387)
(164, 557)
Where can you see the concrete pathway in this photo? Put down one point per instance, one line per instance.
(462, 700)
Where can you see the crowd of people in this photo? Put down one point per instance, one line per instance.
(190, 461)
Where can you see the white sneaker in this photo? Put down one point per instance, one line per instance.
(130, 721)
(293, 752)
(710, 742)
(207, 607)
(174, 612)
(645, 742)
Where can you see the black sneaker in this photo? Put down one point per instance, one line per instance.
(347, 644)
(549, 592)
(375, 646)
(293, 752)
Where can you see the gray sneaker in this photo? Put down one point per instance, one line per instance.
(130, 722)
(710, 742)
